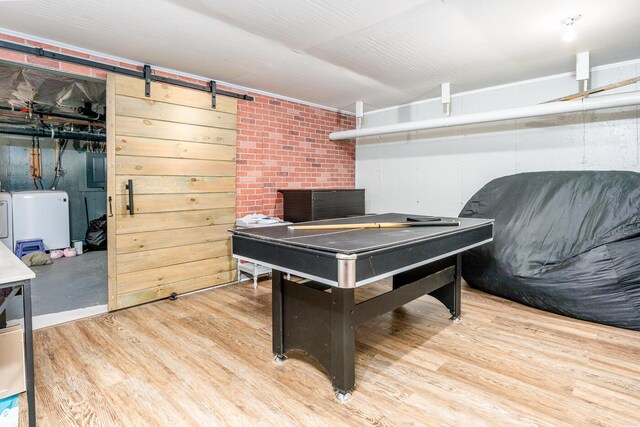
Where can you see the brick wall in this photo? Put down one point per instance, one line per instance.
(281, 144)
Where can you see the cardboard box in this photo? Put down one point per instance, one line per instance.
(12, 378)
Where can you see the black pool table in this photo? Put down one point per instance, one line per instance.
(319, 315)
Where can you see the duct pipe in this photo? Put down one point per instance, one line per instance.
(81, 136)
(539, 110)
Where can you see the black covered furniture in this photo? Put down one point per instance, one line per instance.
(565, 242)
(316, 204)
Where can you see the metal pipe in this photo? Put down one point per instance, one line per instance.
(81, 136)
(30, 120)
(539, 110)
(52, 114)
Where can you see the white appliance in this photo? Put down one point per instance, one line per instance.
(42, 215)
(6, 220)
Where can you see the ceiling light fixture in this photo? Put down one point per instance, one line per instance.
(570, 34)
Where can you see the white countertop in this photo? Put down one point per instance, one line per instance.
(11, 268)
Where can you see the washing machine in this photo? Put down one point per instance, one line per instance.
(42, 214)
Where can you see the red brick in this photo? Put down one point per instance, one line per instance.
(131, 66)
(73, 68)
(44, 62)
(75, 53)
(168, 75)
(98, 73)
(13, 39)
(12, 56)
(104, 60)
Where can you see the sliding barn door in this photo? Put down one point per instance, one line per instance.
(171, 190)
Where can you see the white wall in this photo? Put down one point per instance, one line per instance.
(437, 171)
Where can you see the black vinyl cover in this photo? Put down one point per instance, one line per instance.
(565, 242)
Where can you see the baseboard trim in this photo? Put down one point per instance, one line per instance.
(52, 319)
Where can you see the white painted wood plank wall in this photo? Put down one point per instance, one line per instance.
(436, 172)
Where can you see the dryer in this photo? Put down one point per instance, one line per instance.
(6, 220)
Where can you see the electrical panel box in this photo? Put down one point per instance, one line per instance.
(96, 170)
(12, 380)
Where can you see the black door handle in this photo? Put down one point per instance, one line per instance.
(129, 187)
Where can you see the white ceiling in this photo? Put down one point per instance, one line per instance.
(334, 52)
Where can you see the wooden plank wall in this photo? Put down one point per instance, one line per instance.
(180, 154)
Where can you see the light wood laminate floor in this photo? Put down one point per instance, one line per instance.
(206, 359)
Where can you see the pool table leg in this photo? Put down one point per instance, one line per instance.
(343, 342)
(277, 315)
(455, 315)
(332, 317)
(450, 295)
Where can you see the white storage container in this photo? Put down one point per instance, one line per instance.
(42, 215)
(6, 220)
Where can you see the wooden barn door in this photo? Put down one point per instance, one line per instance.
(179, 155)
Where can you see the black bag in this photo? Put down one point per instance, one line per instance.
(96, 236)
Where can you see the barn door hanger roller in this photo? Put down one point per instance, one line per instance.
(213, 86)
(146, 72)
(148, 77)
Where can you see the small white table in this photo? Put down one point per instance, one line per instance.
(254, 269)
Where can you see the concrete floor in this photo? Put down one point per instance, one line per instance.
(67, 284)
